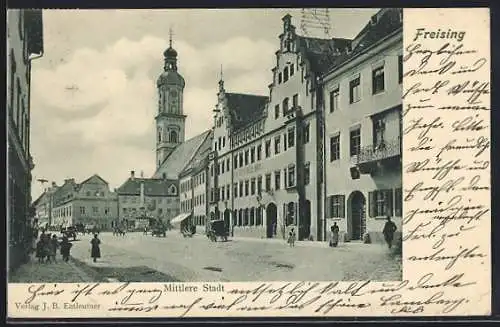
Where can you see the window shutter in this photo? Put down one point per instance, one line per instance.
(389, 197)
(342, 206)
(371, 203)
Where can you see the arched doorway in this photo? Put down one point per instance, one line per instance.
(227, 219)
(356, 204)
(305, 223)
(272, 220)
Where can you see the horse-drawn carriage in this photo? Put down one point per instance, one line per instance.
(217, 229)
(69, 232)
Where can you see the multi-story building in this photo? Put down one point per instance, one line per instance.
(363, 96)
(193, 181)
(43, 207)
(24, 44)
(140, 199)
(89, 203)
(266, 168)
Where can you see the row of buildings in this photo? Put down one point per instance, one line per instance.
(24, 44)
(323, 147)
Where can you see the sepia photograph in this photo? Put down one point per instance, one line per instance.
(163, 146)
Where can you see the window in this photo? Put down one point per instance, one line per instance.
(211, 170)
(173, 137)
(241, 189)
(252, 155)
(95, 209)
(337, 207)
(246, 188)
(221, 190)
(228, 191)
(277, 180)
(285, 74)
(277, 111)
(268, 182)
(380, 202)
(354, 90)
(259, 152)
(259, 184)
(235, 162)
(268, 148)
(252, 186)
(285, 106)
(228, 165)
(246, 157)
(378, 80)
(295, 101)
(335, 148)
(291, 137)
(400, 68)
(355, 142)
(277, 144)
(280, 78)
(306, 133)
(222, 166)
(235, 190)
(334, 100)
(241, 159)
(82, 210)
(291, 176)
(378, 133)
(307, 174)
(292, 69)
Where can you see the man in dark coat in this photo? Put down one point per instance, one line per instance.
(96, 249)
(389, 229)
(65, 248)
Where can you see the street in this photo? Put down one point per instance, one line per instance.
(198, 259)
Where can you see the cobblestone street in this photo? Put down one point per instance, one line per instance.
(240, 259)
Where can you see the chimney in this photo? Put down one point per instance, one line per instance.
(54, 184)
(132, 175)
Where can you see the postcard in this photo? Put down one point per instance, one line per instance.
(316, 162)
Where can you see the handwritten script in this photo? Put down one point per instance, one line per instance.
(446, 207)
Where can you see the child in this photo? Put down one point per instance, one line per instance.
(291, 238)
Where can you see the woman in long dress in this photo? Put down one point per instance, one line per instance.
(95, 252)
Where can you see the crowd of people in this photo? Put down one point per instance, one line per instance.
(47, 246)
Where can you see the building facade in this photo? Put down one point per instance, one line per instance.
(90, 203)
(43, 206)
(362, 109)
(24, 44)
(267, 170)
(142, 199)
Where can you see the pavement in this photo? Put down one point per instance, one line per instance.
(58, 272)
(242, 259)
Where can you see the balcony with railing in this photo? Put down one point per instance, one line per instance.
(384, 153)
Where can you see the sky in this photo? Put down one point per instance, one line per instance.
(93, 93)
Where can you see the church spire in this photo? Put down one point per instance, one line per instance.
(171, 33)
(221, 80)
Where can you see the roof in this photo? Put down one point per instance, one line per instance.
(200, 159)
(387, 22)
(171, 77)
(245, 108)
(152, 187)
(94, 176)
(321, 52)
(40, 198)
(181, 157)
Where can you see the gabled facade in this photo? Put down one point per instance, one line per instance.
(89, 203)
(43, 206)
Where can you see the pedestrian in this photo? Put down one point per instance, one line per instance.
(39, 250)
(46, 247)
(291, 238)
(95, 250)
(334, 235)
(53, 245)
(389, 229)
(65, 248)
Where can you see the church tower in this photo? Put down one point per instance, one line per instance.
(170, 120)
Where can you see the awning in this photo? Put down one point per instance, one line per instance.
(180, 218)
